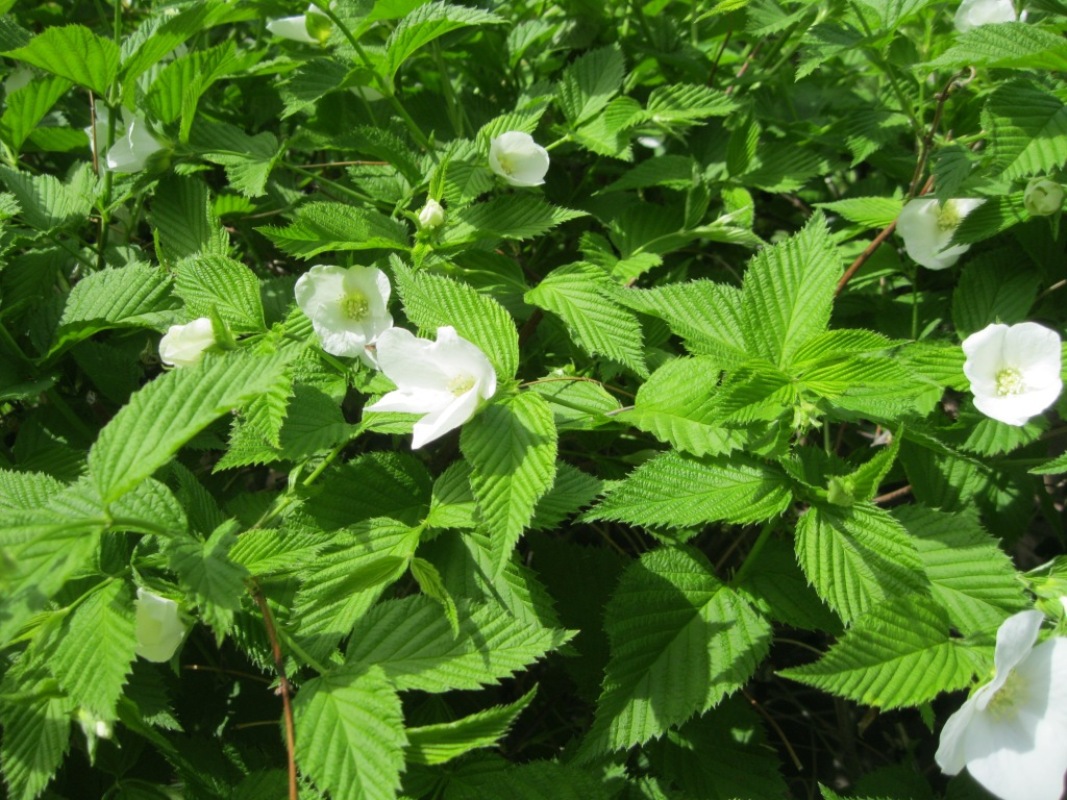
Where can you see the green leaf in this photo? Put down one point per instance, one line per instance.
(706, 315)
(867, 212)
(680, 642)
(589, 83)
(677, 405)
(95, 649)
(24, 108)
(571, 491)
(432, 301)
(511, 447)
(113, 298)
(678, 491)
(582, 295)
(350, 734)
(857, 558)
(412, 641)
(171, 32)
(1027, 128)
(788, 291)
(185, 79)
(1007, 45)
(683, 103)
(425, 24)
(311, 81)
(989, 290)
(534, 780)
(248, 160)
(73, 52)
(970, 576)
(133, 444)
(321, 226)
(185, 224)
(216, 284)
(26, 491)
(390, 484)
(433, 586)
(47, 203)
(438, 744)
(217, 582)
(36, 737)
(515, 216)
(900, 653)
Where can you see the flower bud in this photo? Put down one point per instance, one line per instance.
(158, 627)
(1043, 197)
(432, 214)
(184, 345)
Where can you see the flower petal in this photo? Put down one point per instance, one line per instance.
(294, 28)
(1015, 638)
(438, 423)
(409, 362)
(950, 755)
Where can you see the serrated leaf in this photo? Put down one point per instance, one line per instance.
(433, 586)
(214, 283)
(1005, 46)
(589, 83)
(581, 294)
(350, 733)
(534, 780)
(787, 293)
(73, 52)
(515, 216)
(511, 447)
(438, 744)
(867, 212)
(857, 558)
(678, 491)
(321, 226)
(217, 582)
(95, 649)
(45, 202)
(24, 108)
(425, 24)
(571, 491)
(682, 103)
(680, 642)
(989, 290)
(133, 444)
(677, 404)
(26, 491)
(309, 82)
(900, 653)
(248, 160)
(970, 576)
(184, 221)
(36, 737)
(395, 485)
(432, 301)
(1028, 130)
(412, 642)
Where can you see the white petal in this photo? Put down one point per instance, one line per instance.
(1001, 756)
(518, 159)
(974, 13)
(984, 353)
(1030, 347)
(131, 152)
(1015, 639)
(918, 226)
(460, 357)
(437, 424)
(409, 362)
(1014, 409)
(158, 626)
(421, 402)
(184, 345)
(950, 754)
(294, 28)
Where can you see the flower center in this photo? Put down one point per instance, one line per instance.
(1010, 382)
(1007, 697)
(460, 385)
(355, 306)
(506, 165)
(948, 217)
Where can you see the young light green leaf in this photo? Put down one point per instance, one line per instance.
(217, 582)
(133, 444)
(433, 586)
(684, 104)
(511, 447)
(678, 491)
(24, 108)
(412, 641)
(320, 226)
(425, 24)
(589, 83)
(350, 733)
(36, 737)
(1005, 46)
(95, 649)
(438, 744)
(900, 653)
(857, 558)
(73, 52)
(231, 289)
(680, 642)
(582, 295)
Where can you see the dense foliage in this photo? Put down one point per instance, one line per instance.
(728, 523)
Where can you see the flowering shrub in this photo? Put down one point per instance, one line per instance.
(595, 401)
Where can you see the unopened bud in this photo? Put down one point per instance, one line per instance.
(432, 215)
(1043, 197)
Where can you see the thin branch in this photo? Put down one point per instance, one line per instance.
(928, 140)
(284, 687)
(893, 495)
(777, 729)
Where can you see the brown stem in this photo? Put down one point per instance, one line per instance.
(283, 685)
(777, 729)
(718, 56)
(928, 139)
(893, 495)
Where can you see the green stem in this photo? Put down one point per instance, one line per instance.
(337, 187)
(753, 554)
(300, 652)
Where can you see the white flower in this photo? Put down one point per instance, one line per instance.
(135, 144)
(312, 27)
(518, 159)
(184, 345)
(445, 380)
(1014, 370)
(347, 307)
(1043, 197)
(927, 227)
(974, 13)
(19, 77)
(432, 214)
(1011, 734)
(158, 627)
